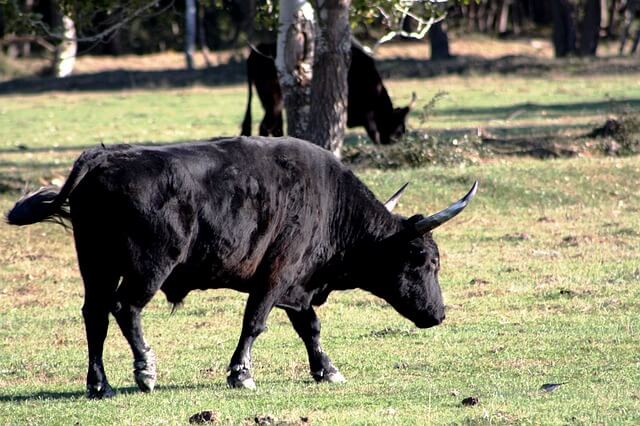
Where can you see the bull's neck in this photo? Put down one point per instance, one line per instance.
(358, 237)
(366, 225)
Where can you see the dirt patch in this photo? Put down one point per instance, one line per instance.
(390, 331)
(518, 236)
(268, 419)
(204, 417)
(470, 401)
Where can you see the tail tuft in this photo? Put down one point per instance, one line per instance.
(41, 205)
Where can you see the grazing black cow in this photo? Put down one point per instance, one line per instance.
(369, 104)
(279, 219)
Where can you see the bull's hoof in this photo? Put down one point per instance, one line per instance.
(100, 391)
(335, 377)
(332, 376)
(240, 378)
(146, 382)
(144, 372)
(241, 384)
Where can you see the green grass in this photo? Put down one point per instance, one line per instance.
(541, 276)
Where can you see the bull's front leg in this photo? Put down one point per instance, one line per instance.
(259, 304)
(307, 325)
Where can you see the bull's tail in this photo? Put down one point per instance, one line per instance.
(49, 204)
(246, 123)
(45, 204)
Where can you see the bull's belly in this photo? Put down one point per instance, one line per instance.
(184, 279)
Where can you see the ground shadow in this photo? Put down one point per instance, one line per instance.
(519, 65)
(51, 395)
(226, 74)
(509, 111)
(66, 148)
(399, 68)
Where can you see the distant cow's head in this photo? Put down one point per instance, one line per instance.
(403, 268)
(396, 125)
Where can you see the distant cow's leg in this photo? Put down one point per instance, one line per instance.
(99, 292)
(626, 26)
(265, 126)
(132, 296)
(636, 40)
(259, 304)
(371, 128)
(271, 125)
(277, 126)
(307, 325)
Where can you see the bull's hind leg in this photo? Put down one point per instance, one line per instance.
(132, 296)
(99, 292)
(307, 325)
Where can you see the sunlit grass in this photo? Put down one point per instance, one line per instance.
(540, 275)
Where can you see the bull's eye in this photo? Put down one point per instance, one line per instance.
(418, 257)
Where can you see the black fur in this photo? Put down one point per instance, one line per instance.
(279, 219)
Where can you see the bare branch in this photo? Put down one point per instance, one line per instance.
(102, 34)
(11, 39)
(402, 11)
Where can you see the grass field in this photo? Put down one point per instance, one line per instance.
(541, 277)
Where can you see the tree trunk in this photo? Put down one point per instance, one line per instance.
(541, 11)
(590, 27)
(503, 22)
(65, 53)
(439, 42)
(612, 12)
(189, 32)
(330, 71)
(564, 27)
(294, 61)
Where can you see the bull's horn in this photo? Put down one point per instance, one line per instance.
(429, 223)
(413, 100)
(393, 201)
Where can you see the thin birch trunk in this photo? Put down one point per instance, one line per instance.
(294, 62)
(189, 32)
(65, 54)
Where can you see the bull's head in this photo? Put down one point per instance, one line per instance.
(403, 268)
(397, 123)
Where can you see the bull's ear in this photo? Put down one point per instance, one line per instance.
(393, 201)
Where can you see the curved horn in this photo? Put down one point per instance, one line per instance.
(429, 223)
(391, 202)
(412, 102)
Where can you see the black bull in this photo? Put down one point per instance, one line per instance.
(368, 102)
(279, 219)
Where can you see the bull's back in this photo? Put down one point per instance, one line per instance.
(220, 206)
